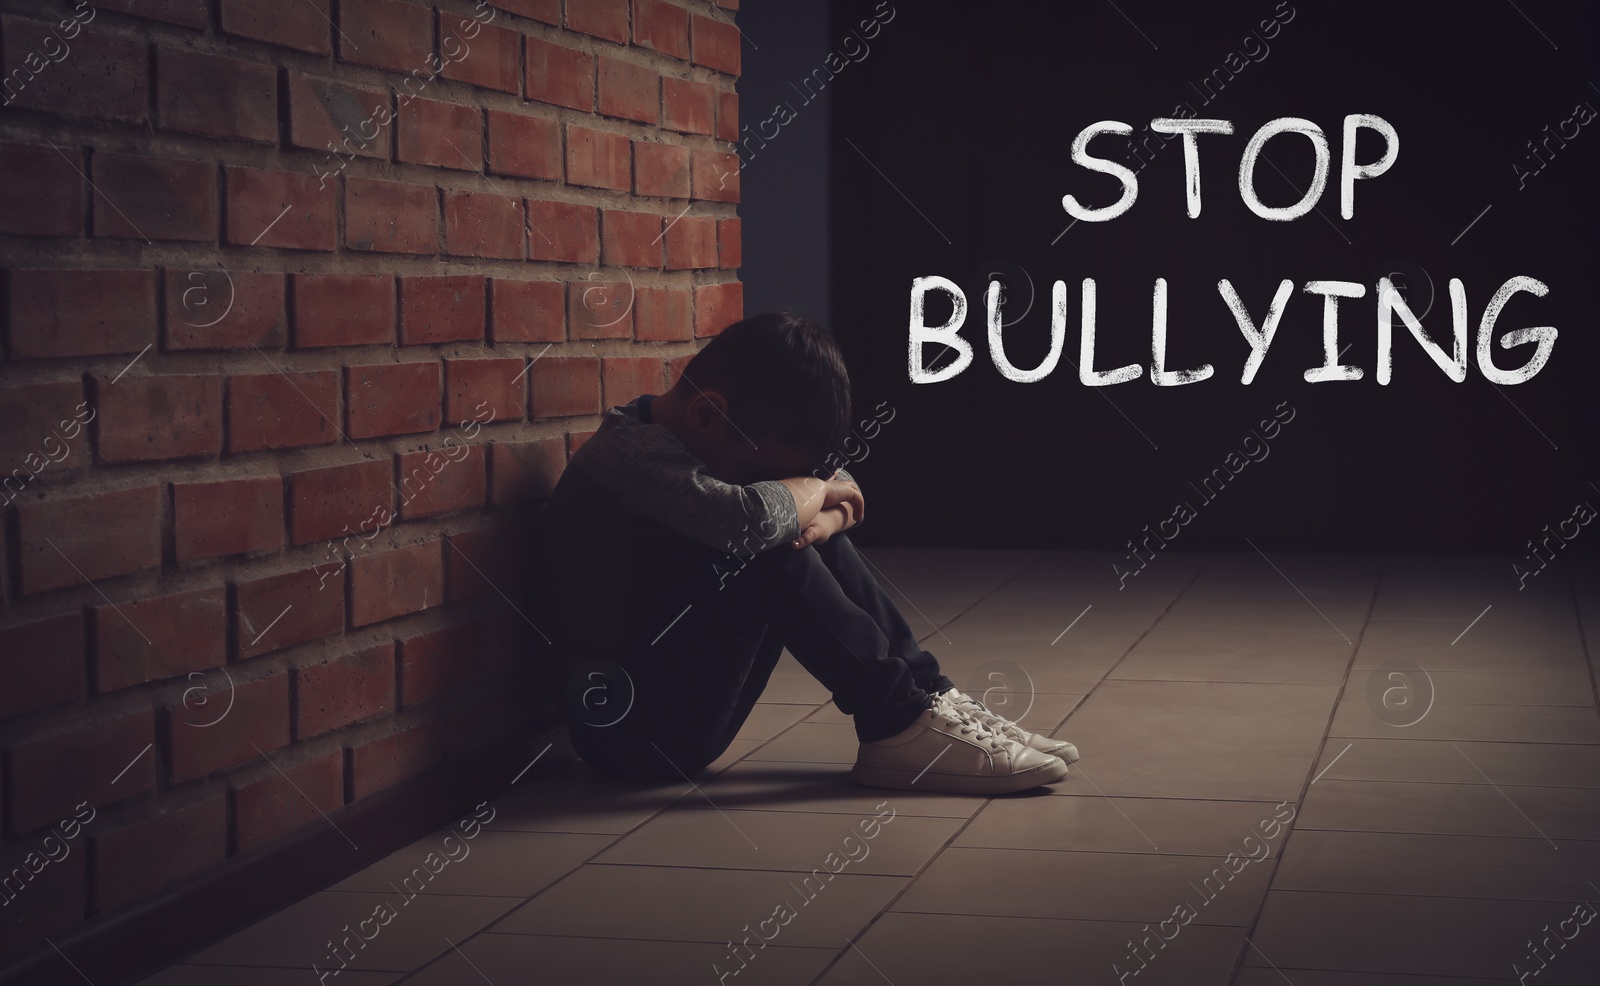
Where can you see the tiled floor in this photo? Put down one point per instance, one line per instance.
(1320, 770)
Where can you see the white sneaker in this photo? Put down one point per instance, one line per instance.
(949, 751)
(1000, 724)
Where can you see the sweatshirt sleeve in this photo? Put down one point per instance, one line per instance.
(654, 476)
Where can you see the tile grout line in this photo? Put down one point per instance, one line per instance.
(1305, 788)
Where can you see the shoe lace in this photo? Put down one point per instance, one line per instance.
(991, 720)
(969, 723)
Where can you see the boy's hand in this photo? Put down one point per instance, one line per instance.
(826, 524)
(840, 493)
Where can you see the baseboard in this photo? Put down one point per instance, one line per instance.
(128, 945)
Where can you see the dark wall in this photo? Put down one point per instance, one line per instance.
(783, 174)
(951, 155)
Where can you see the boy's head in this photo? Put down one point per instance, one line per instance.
(768, 398)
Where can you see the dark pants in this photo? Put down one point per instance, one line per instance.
(693, 688)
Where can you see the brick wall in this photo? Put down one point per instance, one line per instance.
(303, 300)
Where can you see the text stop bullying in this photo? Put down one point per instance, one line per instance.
(1258, 333)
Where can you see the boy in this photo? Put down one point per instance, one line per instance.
(692, 539)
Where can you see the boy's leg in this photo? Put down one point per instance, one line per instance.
(689, 698)
(865, 655)
(855, 578)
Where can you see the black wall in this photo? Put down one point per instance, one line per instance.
(950, 156)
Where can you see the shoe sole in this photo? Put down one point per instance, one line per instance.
(927, 780)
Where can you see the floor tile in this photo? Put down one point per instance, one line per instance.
(787, 840)
(510, 959)
(492, 864)
(1438, 761)
(1228, 741)
(1438, 866)
(907, 949)
(770, 785)
(1129, 825)
(1415, 935)
(579, 801)
(211, 975)
(646, 902)
(1090, 886)
(1357, 716)
(405, 932)
(1452, 809)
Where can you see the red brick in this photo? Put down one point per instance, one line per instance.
(727, 115)
(662, 26)
(606, 19)
(344, 690)
(148, 418)
(487, 561)
(715, 175)
(527, 311)
(133, 862)
(124, 538)
(525, 471)
(282, 410)
(81, 312)
(159, 637)
(627, 377)
(442, 480)
(717, 306)
(41, 196)
(730, 243)
(44, 423)
(716, 44)
(660, 170)
(563, 231)
(257, 201)
(307, 25)
(343, 309)
(629, 90)
(213, 308)
(280, 803)
(441, 309)
(436, 661)
(230, 517)
(600, 309)
(255, 725)
(392, 398)
(41, 664)
(526, 146)
(692, 243)
(391, 759)
(597, 158)
(676, 366)
(483, 224)
(445, 135)
(630, 239)
(559, 75)
(185, 13)
(332, 502)
(576, 440)
(396, 582)
(336, 117)
(565, 387)
(390, 216)
(283, 610)
(470, 382)
(154, 198)
(548, 11)
(214, 96)
(494, 54)
(51, 775)
(690, 106)
(103, 77)
(387, 34)
(662, 315)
